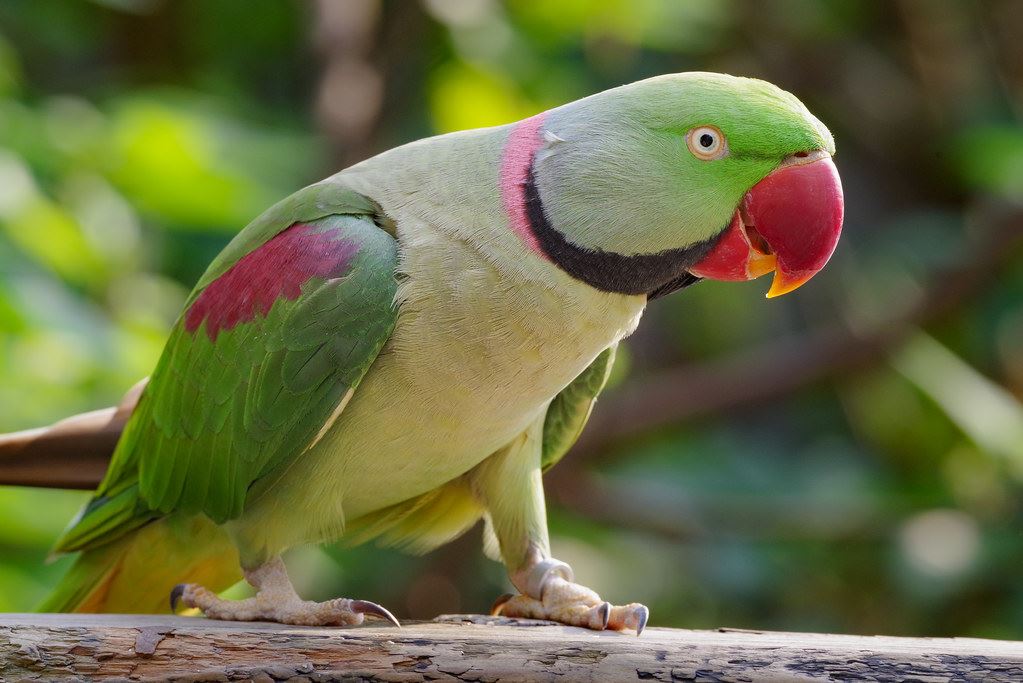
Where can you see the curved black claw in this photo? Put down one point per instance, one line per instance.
(605, 614)
(642, 614)
(373, 609)
(495, 609)
(175, 595)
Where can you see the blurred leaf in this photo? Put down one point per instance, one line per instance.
(986, 412)
(11, 319)
(166, 160)
(22, 138)
(34, 516)
(887, 412)
(495, 101)
(10, 69)
(107, 220)
(54, 238)
(991, 159)
(76, 128)
(17, 186)
(710, 318)
(692, 26)
(135, 6)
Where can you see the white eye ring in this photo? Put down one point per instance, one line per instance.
(707, 143)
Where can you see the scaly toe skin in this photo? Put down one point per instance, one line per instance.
(594, 617)
(520, 607)
(574, 605)
(284, 609)
(336, 612)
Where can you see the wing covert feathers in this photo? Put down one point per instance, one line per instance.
(254, 372)
(570, 409)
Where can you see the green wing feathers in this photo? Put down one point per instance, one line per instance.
(570, 409)
(263, 359)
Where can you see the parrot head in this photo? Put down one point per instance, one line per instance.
(650, 186)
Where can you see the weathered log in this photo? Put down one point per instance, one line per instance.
(472, 648)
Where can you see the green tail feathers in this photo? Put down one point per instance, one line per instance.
(135, 573)
(104, 519)
(86, 576)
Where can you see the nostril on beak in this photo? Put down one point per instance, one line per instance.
(805, 157)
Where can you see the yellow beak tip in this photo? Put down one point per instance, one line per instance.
(782, 285)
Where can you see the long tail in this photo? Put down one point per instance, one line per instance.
(135, 573)
(72, 453)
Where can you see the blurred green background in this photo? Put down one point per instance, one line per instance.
(848, 458)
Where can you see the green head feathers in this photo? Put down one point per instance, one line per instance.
(621, 172)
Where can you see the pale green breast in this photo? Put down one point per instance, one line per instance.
(487, 334)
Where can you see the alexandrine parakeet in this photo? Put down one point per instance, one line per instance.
(405, 347)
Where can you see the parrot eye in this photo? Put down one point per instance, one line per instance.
(707, 143)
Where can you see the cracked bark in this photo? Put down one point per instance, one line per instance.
(471, 648)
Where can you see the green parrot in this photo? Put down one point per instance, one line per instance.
(406, 347)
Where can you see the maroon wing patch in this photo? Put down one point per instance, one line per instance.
(276, 270)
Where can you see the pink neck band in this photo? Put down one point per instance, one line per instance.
(519, 151)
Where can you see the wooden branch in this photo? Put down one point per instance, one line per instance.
(471, 648)
(71, 454)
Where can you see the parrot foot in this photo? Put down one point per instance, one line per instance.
(337, 612)
(276, 600)
(574, 605)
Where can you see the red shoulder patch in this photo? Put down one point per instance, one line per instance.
(276, 270)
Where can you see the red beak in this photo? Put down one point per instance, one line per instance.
(789, 222)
